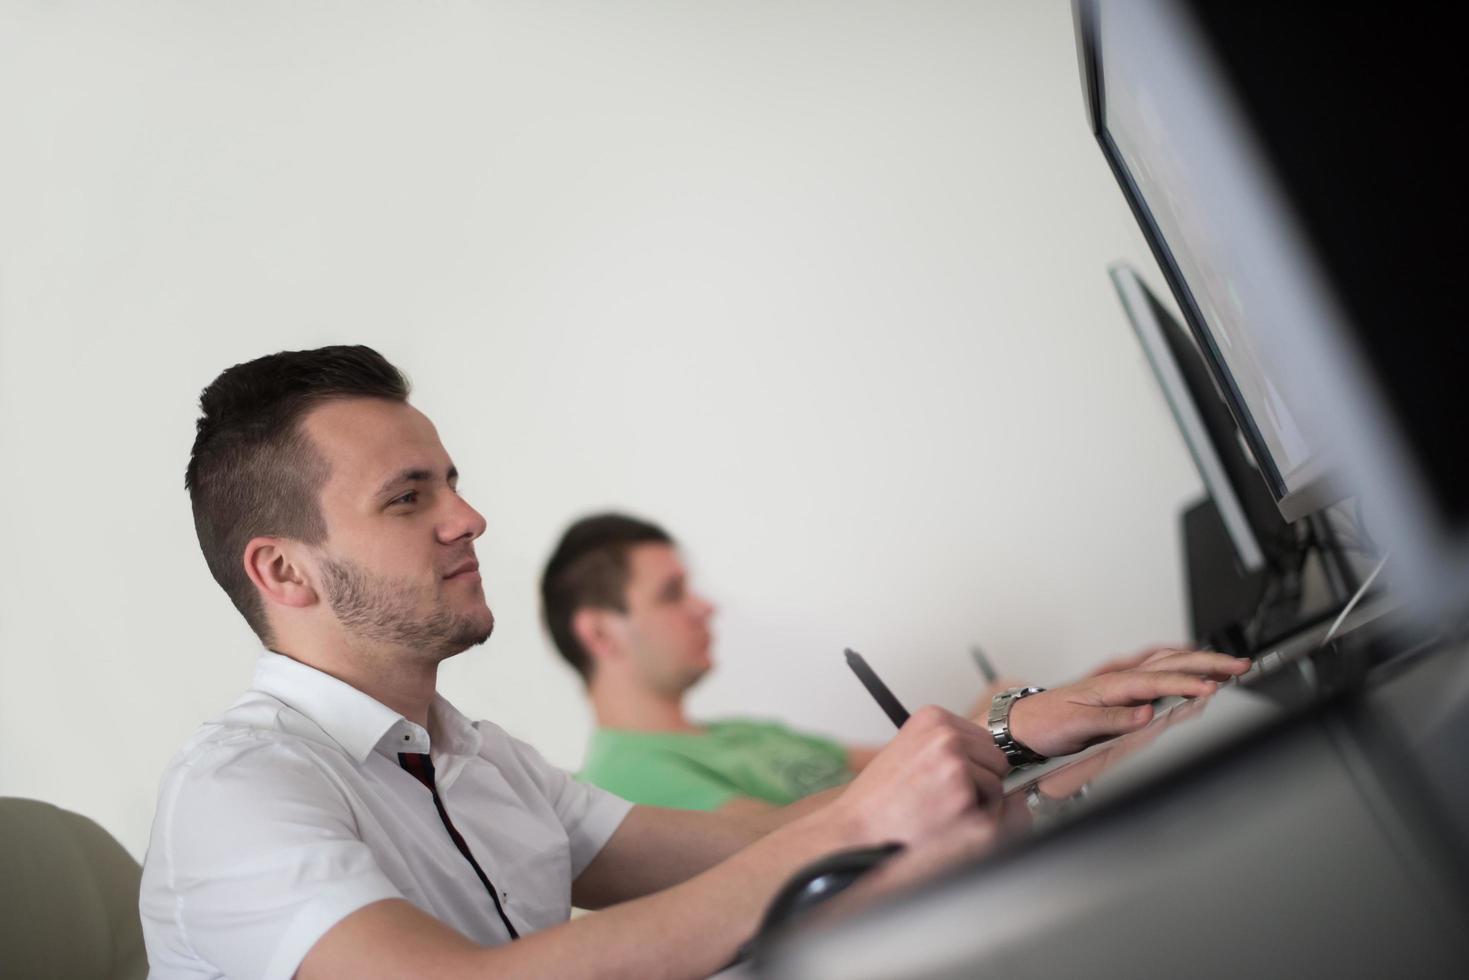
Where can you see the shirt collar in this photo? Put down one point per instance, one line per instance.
(457, 734)
(355, 721)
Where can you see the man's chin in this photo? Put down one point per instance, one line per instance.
(470, 634)
(480, 632)
(696, 674)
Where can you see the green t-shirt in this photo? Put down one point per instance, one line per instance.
(702, 770)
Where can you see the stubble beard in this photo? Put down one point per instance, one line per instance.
(384, 611)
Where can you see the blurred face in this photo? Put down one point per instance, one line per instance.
(668, 623)
(397, 568)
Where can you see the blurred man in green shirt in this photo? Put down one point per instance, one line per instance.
(618, 605)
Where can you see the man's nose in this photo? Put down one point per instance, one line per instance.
(462, 522)
(704, 609)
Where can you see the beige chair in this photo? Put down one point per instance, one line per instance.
(68, 897)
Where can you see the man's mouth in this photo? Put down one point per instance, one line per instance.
(464, 569)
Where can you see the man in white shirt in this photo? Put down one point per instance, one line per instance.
(342, 819)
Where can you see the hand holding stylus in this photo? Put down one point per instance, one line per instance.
(935, 755)
(932, 773)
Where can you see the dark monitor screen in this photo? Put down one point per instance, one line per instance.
(1357, 108)
(1183, 158)
(1298, 171)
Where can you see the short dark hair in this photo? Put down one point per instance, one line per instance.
(253, 471)
(589, 569)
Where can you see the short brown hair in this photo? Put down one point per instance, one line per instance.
(254, 472)
(589, 569)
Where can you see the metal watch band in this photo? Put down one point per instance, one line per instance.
(999, 726)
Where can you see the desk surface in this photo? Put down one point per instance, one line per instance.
(1257, 832)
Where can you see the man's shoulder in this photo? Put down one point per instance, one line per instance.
(257, 729)
(711, 737)
(749, 726)
(679, 770)
(250, 768)
(617, 750)
(769, 732)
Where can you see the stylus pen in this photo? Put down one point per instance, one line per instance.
(983, 663)
(877, 688)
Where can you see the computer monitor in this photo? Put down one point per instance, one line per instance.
(1293, 170)
(1188, 168)
(1258, 533)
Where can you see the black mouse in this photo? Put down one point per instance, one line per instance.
(820, 880)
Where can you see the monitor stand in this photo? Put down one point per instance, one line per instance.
(1222, 596)
(1243, 613)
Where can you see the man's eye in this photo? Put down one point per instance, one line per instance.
(411, 497)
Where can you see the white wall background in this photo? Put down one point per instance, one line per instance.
(817, 284)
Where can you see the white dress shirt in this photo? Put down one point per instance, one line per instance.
(291, 811)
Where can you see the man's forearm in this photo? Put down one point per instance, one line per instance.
(765, 821)
(692, 929)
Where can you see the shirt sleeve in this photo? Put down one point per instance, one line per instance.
(589, 814)
(260, 857)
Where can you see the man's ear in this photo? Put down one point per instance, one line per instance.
(274, 569)
(599, 631)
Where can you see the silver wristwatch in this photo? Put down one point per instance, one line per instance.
(999, 725)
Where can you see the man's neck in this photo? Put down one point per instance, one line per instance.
(404, 684)
(638, 709)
